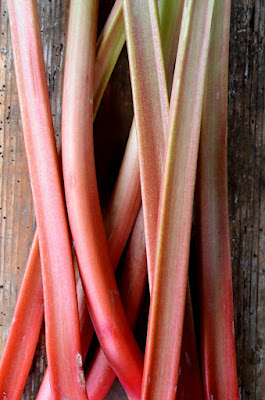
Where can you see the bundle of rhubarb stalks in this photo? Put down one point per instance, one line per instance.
(173, 175)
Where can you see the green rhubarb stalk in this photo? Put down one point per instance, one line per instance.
(150, 102)
(61, 313)
(166, 316)
(214, 273)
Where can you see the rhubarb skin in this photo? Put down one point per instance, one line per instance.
(167, 305)
(132, 284)
(86, 224)
(26, 323)
(212, 223)
(61, 313)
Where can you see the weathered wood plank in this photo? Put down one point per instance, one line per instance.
(247, 190)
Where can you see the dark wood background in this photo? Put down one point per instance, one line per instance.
(246, 160)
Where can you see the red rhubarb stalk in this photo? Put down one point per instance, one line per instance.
(100, 375)
(166, 315)
(104, 303)
(215, 277)
(24, 330)
(61, 313)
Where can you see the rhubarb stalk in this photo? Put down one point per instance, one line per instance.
(61, 313)
(104, 303)
(132, 283)
(150, 102)
(211, 205)
(26, 324)
(176, 204)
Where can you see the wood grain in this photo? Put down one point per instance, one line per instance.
(246, 158)
(247, 190)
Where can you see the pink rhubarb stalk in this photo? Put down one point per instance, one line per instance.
(61, 313)
(214, 273)
(166, 315)
(104, 303)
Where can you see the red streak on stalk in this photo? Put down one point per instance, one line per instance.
(104, 303)
(176, 204)
(215, 277)
(61, 314)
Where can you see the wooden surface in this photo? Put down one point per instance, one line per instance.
(246, 160)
